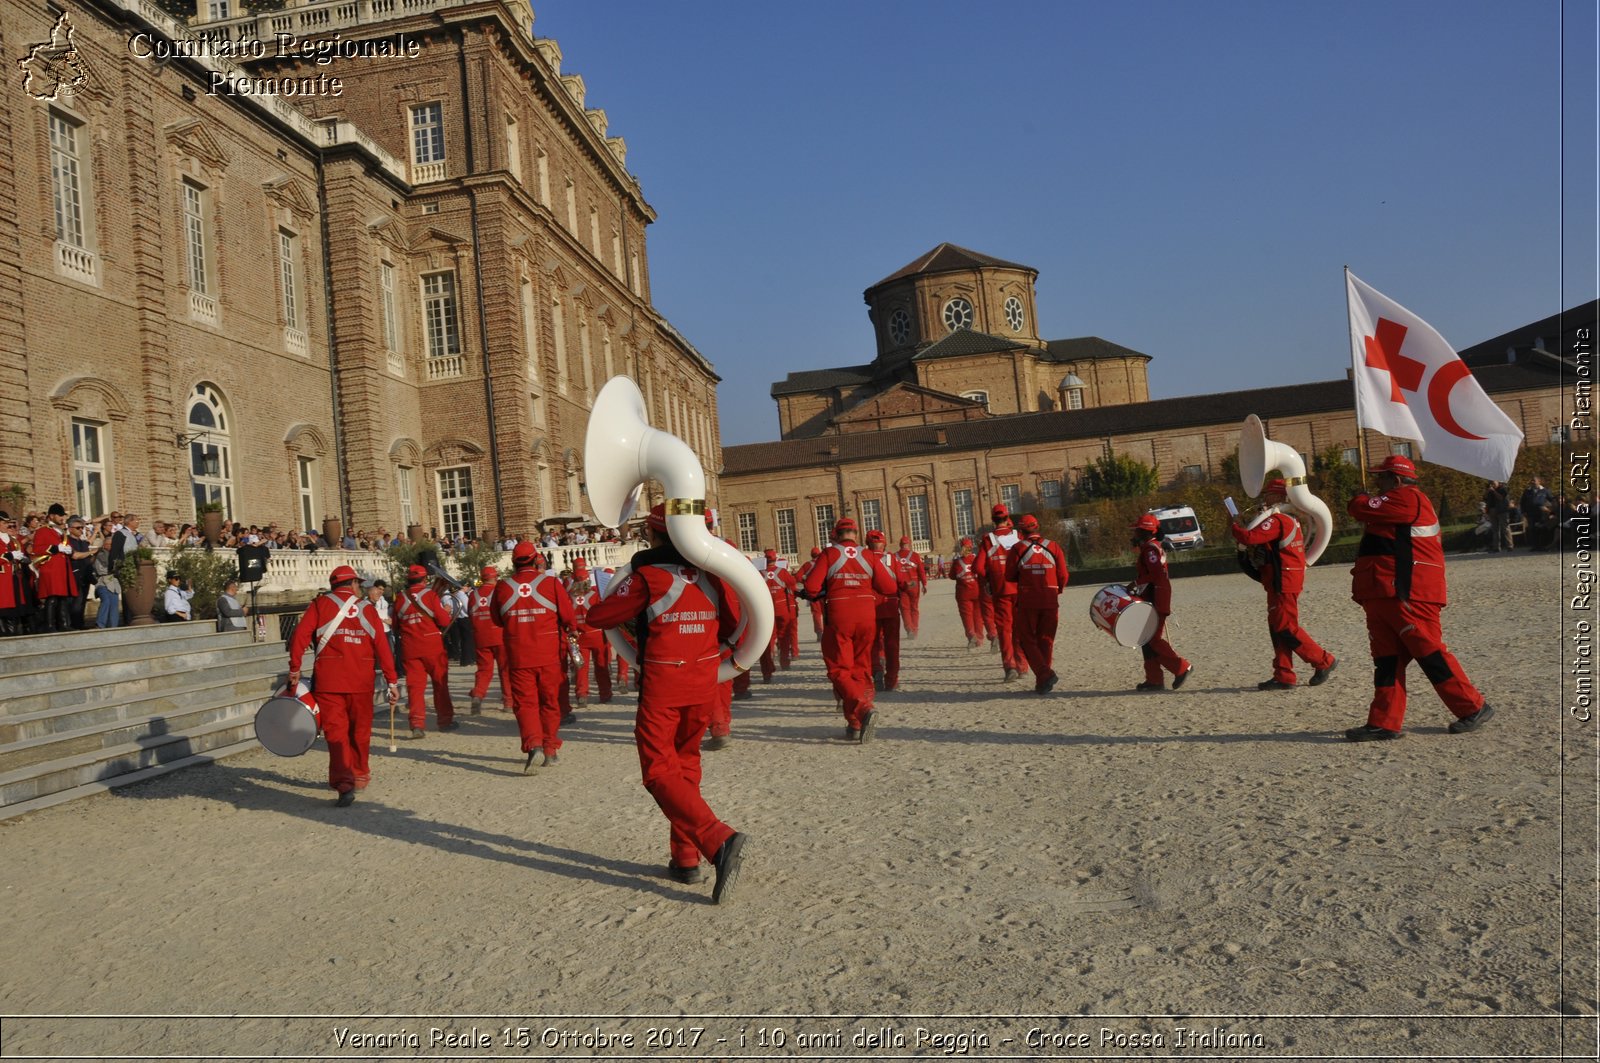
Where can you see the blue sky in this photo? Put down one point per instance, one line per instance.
(1189, 179)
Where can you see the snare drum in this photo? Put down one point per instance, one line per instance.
(288, 723)
(1131, 621)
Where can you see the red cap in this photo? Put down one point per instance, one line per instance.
(1398, 464)
(524, 556)
(342, 574)
(1274, 489)
(489, 572)
(905, 540)
(1028, 523)
(1147, 523)
(966, 542)
(816, 551)
(415, 573)
(876, 536)
(772, 555)
(844, 525)
(657, 521)
(999, 512)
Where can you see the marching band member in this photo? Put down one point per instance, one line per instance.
(1282, 573)
(350, 644)
(422, 618)
(684, 616)
(853, 584)
(997, 545)
(886, 637)
(912, 575)
(489, 642)
(534, 612)
(1039, 569)
(781, 585)
(815, 603)
(1399, 581)
(965, 575)
(1152, 584)
(13, 579)
(591, 640)
(53, 567)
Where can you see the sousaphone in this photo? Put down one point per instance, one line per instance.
(621, 452)
(1257, 456)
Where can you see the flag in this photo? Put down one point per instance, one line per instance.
(1410, 383)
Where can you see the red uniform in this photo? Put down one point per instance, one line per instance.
(684, 620)
(1002, 595)
(489, 641)
(965, 575)
(1039, 569)
(886, 638)
(54, 573)
(591, 648)
(13, 579)
(1152, 584)
(533, 610)
(781, 585)
(816, 605)
(912, 576)
(1399, 580)
(1283, 573)
(422, 618)
(853, 585)
(350, 643)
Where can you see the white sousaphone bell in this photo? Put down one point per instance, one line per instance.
(621, 452)
(1258, 455)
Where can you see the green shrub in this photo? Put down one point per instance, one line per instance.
(1116, 476)
(207, 573)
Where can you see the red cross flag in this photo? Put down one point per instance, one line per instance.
(1411, 384)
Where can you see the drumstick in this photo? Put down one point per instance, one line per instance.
(391, 726)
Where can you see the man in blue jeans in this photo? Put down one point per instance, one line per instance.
(107, 588)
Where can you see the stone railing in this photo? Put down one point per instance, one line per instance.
(316, 19)
(304, 572)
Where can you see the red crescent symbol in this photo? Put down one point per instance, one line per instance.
(1439, 397)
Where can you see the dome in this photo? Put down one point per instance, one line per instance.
(1071, 380)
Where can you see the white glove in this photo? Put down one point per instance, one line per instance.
(63, 548)
(18, 555)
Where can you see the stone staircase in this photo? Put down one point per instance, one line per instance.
(85, 711)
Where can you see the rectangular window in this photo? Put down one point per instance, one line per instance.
(194, 230)
(1049, 494)
(543, 164)
(408, 513)
(594, 231)
(586, 354)
(871, 515)
(572, 208)
(89, 468)
(824, 515)
(1561, 433)
(917, 510)
(633, 273)
(455, 504)
(442, 328)
(218, 9)
(1074, 398)
(513, 149)
(391, 320)
(287, 249)
(558, 331)
(1402, 449)
(964, 515)
(747, 533)
(66, 179)
(1011, 495)
(616, 253)
(1350, 455)
(308, 495)
(1192, 473)
(786, 533)
(427, 133)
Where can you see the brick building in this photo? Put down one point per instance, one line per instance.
(387, 292)
(948, 418)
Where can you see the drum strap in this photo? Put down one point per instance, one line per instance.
(416, 604)
(527, 590)
(347, 608)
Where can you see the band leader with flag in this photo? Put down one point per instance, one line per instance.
(1411, 384)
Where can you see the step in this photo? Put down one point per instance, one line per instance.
(44, 736)
(75, 648)
(142, 775)
(103, 766)
(33, 692)
(127, 633)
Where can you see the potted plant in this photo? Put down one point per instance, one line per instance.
(209, 515)
(137, 574)
(13, 498)
(414, 533)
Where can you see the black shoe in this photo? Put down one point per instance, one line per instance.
(1320, 676)
(687, 876)
(1371, 733)
(528, 765)
(1011, 676)
(451, 726)
(869, 725)
(477, 707)
(1473, 722)
(727, 863)
(1269, 684)
(566, 717)
(1151, 686)
(852, 734)
(1048, 685)
(1182, 677)
(346, 799)
(742, 695)
(417, 732)
(715, 742)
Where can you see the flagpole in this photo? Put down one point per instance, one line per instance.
(1361, 435)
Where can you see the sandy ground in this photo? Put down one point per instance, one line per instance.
(1095, 873)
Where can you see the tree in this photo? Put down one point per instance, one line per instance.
(1117, 476)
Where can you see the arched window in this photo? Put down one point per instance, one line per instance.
(210, 463)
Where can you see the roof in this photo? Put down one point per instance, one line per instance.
(1160, 415)
(1087, 349)
(1555, 332)
(818, 379)
(965, 341)
(948, 258)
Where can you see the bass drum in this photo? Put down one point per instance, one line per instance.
(1131, 621)
(289, 721)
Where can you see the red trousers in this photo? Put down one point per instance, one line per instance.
(782, 633)
(492, 659)
(602, 672)
(1159, 654)
(794, 635)
(816, 619)
(1399, 633)
(986, 614)
(419, 671)
(346, 720)
(886, 652)
(911, 608)
(722, 710)
(1290, 639)
(847, 639)
(622, 669)
(1005, 628)
(971, 621)
(1036, 635)
(538, 706)
(667, 733)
